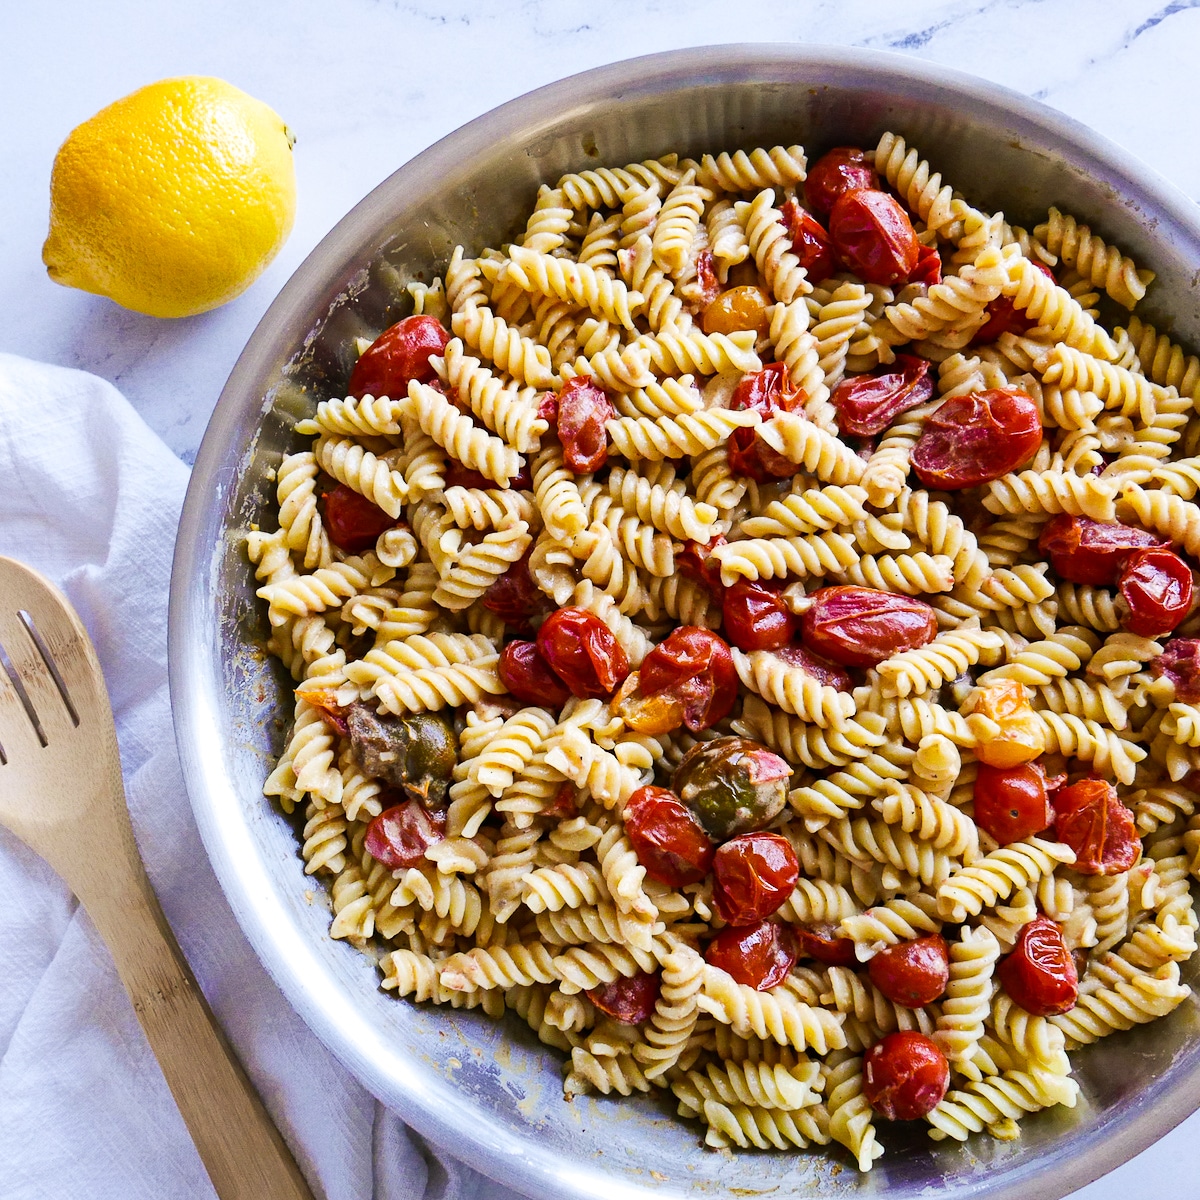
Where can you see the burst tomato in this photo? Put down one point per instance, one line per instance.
(352, 520)
(905, 1076)
(874, 237)
(810, 241)
(765, 392)
(1157, 586)
(842, 169)
(1180, 662)
(667, 839)
(868, 404)
(583, 652)
(1013, 803)
(1090, 818)
(583, 410)
(397, 357)
(693, 669)
(528, 676)
(755, 617)
(978, 437)
(753, 874)
(912, 973)
(629, 999)
(859, 627)
(1085, 551)
(514, 597)
(400, 835)
(1040, 974)
(822, 941)
(759, 956)
(738, 308)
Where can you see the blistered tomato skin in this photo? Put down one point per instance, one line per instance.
(696, 561)
(583, 410)
(1039, 974)
(821, 669)
(1180, 662)
(528, 676)
(400, 835)
(582, 651)
(755, 617)
(732, 785)
(1085, 551)
(397, 357)
(860, 627)
(929, 267)
(758, 956)
(874, 237)
(694, 666)
(514, 597)
(753, 874)
(629, 999)
(1090, 818)
(1019, 736)
(905, 1076)
(352, 521)
(666, 837)
(842, 169)
(1013, 803)
(1157, 587)
(739, 308)
(765, 392)
(810, 242)
(976, 438)
(1005, 317)
(868, 404)
(822, 941)
(912, 973)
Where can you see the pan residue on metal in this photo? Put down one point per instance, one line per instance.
(488, 1092)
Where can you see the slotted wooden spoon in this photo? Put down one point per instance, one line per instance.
(59, 775)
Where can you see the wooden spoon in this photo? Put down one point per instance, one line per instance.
(60, 776)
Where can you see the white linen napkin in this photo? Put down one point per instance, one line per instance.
(90, 497)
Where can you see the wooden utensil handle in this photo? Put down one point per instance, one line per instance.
(245, 1157)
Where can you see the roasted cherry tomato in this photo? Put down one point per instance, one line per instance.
(765, 392)
(1005, 317)
(526, 674)
(514, 597)
(842, 169)
(583, 652)
(978, 437)
(874, 237)
(1040, 974)
(1019, 736)
(1180, 662)
(929, 266)
(821, 669)
(629, 999)
(810, 242)
(823, 942)
(414, 753)
(759, 956)
(456, 475)
(397, 357)
(736, 309)
(565, 803)
(755, 617)
(583, 410)
(868, 404)
(905, 1076)
(1085, 551)
(1013, 803)
(913, 973)
(859, 627)
(732, 785)
(753, 874)
(399, 836)
(707, 284)
(1157, 586)
(695, 561)
(666, 837)
(693, 669)
(1090, 818)
(352, 520)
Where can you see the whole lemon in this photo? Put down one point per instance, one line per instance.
(172, 200)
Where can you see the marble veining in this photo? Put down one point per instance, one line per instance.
(366, 84)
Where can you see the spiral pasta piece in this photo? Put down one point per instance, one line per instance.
(1008, 1096)
(792, 689)
(770, 246)
(947, 656)
(611, 187)
(774, 1014)
(1101, 264)
(966, 1005)
(922, 190)
(651, 438)
(997, 875)
(363, 472)
(811, 447)
(1051, 492)
(1056, 311)
(774, 558)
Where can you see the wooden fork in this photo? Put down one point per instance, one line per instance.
(59, 775)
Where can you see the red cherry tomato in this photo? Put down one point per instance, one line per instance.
(1040, 973)
(759, 956)
(398, 356)
(514, 597)
(352, 520)
(810, 242)
(913, 973)
(582, 652)
(667, 839)
(821, 669)
(1013, 803)
(868, 404)
(905, 1076)
(874, 237)
(976, 438)
(755, 617)
(765, 392)
(696, 562)
(753, 874)
(583, 409)
(629, 999)
(708, 287)
(1086, 551)
(399, 836)
(1157, 586)
(565, 803)
(526, 674)
(1091, 819)
(1005, 317)
(929, 266)
(694, 666)
(859, 627)
(842, 169)
(456, 475)
(823, 942)
(1180, 662)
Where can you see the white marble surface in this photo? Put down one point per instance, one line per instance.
(366, 84)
